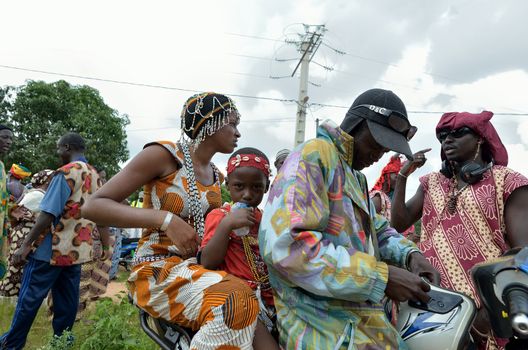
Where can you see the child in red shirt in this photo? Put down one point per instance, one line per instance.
(224, 246)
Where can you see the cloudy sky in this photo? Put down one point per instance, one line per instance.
(436, 55)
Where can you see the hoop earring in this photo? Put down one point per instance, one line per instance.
(478, 149)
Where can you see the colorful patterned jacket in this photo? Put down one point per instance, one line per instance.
(315, 237)
(72, 236)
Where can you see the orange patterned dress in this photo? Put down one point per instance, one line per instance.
(221, 307)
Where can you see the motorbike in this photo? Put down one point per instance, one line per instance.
(444, 322)
(127, 252)
(441, 324)
(168, 336)
(503, 285)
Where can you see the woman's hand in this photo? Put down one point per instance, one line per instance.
(21, 213)
(183, 236)
(20, 256)
(418, 161)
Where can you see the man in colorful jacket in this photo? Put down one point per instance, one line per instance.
(56, 263)
(331, 258)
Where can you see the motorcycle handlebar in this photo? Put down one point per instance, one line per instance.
(516, 298)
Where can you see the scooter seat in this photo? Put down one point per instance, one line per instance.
(168, 336)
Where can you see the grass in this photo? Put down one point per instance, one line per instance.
(122, 275)
(41, 330)
(107, 324)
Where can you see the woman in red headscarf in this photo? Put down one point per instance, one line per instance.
(472, 211)
(383, 190)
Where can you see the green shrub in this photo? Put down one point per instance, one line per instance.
(114, 326)
(64, 342)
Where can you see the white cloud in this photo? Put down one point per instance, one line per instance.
(184, 44)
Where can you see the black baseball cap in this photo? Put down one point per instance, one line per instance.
(386, 118)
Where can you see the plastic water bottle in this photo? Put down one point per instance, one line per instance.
(243, 230)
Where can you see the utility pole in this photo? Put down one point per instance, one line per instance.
(311, 40)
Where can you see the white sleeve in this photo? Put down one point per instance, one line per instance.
(31, 200)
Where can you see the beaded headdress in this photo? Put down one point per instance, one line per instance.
(204, 114)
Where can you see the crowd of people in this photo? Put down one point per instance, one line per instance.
(309, 270)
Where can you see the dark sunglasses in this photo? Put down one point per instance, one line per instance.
(393, 119)
(457, 133)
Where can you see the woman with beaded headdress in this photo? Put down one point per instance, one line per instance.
(180, 186)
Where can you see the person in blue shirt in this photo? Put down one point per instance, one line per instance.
(48, 267)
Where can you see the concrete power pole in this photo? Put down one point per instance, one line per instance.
(311, 40)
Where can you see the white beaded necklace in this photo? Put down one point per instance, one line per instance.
(195, 204)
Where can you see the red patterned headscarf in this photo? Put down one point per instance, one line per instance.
(394, 166)
(249, 160)
(480, 123)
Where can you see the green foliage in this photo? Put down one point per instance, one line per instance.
(64, 342)
(40, 113)
(418, 227)
(115, 326)
(226, 196)
(110, 325)
(122, 276)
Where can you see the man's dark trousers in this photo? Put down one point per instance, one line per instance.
(38, 278)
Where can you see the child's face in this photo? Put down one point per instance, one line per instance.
(247, 185)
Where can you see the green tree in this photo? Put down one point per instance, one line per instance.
(40, 113)
(226, 196)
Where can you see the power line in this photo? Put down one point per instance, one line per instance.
(253, 37)
(417, 111)
(326, 68)
(141, 84)
(361, 57)
(274, 120)
(265, 98)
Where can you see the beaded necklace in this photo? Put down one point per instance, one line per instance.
(260, 278)
(195, 204)
(453, 197)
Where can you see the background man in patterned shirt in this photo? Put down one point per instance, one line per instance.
(56, 263)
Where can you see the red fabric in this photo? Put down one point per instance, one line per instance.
(235, 261)
(480, 123)
(393, 166)
(250, 160)
(454, 243)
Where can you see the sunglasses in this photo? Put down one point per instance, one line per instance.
(393, 119)
(457, 133)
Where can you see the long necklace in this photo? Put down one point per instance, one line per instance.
(195, 204)
(453, 197)
(251, 259)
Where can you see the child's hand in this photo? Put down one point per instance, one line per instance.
(241, 218)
